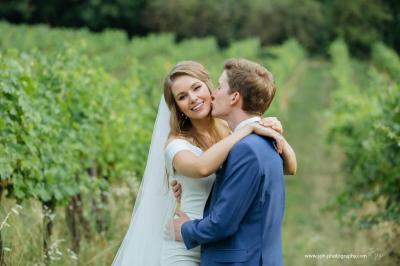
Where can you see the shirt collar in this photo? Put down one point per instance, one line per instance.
(246, 122)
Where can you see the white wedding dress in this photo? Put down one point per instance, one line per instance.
(145, 243)
(195, 192)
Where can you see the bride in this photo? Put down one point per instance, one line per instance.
(188, 145)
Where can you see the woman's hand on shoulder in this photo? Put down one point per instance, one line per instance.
(272, 122)
(269, 132)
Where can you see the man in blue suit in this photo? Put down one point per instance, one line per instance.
(244, 213)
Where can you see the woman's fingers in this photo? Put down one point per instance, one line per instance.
(273, 123)
(278, 128)
(269, 132)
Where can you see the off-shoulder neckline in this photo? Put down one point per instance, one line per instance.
(183, 140)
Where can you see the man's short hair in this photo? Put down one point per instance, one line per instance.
(254, 83)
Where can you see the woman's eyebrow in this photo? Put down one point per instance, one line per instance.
(180, 93)
(195, 84)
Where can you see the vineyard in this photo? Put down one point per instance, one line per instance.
(76, 117)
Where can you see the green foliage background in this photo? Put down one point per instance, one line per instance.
(314, 23)
(77, 110)
(365, 122)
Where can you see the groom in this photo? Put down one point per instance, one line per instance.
(243, 215)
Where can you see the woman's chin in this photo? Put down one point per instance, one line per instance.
(201, 114)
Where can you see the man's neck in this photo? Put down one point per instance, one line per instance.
(236, 117)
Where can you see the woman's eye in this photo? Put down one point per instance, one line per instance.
(196, 88)
(180, 98)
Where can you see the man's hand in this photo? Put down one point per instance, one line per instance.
(273, 123)
(182, 218)
(177, 189)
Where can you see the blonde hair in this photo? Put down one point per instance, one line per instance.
(181, 126)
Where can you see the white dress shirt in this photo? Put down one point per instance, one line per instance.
(246, 122)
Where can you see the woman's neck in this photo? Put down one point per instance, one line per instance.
(202, 126)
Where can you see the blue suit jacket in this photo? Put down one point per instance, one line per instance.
(243, 215)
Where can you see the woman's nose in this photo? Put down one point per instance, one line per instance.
(192, 96)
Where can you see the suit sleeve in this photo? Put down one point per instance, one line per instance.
(238, 190)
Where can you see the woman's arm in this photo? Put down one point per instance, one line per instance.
(283, 147)
(192, 165)
(288, 155)
(289, 159)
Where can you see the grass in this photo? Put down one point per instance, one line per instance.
(23, 235)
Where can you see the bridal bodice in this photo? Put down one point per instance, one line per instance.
(195, 191)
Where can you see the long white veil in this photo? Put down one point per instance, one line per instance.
(153, 207)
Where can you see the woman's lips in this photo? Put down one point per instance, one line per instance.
(197, 107)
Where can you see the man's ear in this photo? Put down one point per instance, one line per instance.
(235, 98)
